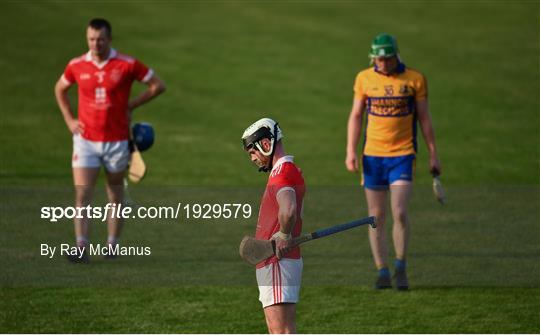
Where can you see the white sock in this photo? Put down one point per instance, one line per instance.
(82, 241)
(112, 240)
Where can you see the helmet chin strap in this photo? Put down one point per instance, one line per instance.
(270, 154)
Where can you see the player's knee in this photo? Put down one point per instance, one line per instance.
(282, 329)
(401, 217)
(287, 330)
(83, 195)
(282, 325)
(115, 193)
(381, 218)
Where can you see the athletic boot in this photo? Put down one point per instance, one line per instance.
(84, 259)
(110, 255)
(111, 244)
(383, 283)
(402, 283)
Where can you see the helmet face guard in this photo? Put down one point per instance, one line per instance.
(253, 141)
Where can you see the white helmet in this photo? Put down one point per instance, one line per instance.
(263, 128)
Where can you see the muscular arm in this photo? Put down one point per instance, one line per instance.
(287, 210)
(155, 87)
(287, 218)
(60, 91)
(424, 118)
(354, 130)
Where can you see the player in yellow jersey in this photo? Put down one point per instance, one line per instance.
(394, 98)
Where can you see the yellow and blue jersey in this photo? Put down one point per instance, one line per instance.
(390, 105)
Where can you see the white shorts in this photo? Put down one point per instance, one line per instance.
(89, 154)
(280, 282)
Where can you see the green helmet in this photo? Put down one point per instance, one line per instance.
(384, 45)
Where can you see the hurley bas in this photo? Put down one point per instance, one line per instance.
(95, 249)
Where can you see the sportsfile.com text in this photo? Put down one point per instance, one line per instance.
(120, 211)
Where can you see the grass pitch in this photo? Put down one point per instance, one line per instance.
(473, 263)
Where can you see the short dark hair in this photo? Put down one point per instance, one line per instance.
(99, 24)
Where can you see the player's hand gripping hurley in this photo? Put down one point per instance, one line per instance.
(255, 251)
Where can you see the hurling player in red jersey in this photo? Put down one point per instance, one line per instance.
(101, 128)
(280, 219)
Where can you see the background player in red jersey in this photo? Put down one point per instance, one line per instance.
(280, 218)
(101, 128)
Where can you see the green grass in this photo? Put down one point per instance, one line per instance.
(232, 310)
(473, 263)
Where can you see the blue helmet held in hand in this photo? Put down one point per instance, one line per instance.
(143, 135)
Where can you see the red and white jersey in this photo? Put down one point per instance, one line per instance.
(104, 90)
(284, 176)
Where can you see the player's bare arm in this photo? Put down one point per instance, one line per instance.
(354, 130)
(424, 118)
(60, 91)
(155, 87)
(286, 199)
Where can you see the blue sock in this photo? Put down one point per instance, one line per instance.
(384, 272)
(400, 264)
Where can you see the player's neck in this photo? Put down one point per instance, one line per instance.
(100, 58)
(279, 153)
